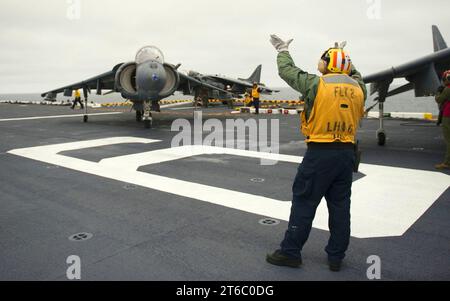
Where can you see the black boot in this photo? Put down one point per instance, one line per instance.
(277, 258)
(335, 266)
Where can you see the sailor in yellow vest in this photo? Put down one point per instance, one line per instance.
(77, 97)
(334, 106)
(247, 99)
(256, 95)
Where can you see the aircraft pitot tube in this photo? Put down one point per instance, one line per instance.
(148, 78)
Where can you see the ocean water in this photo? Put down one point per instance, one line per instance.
(405, 102)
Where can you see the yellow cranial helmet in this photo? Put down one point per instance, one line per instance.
(337, 59)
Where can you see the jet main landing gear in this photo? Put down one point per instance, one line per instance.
(139, 114)
(85, 92)
(381, 136)
(383, 89)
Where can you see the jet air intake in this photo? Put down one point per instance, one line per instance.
(148, 78)
(126, 81)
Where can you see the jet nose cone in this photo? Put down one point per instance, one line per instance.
(150, 79)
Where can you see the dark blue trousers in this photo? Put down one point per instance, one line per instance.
(323, 173)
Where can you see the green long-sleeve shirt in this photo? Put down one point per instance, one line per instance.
(306, 83)
(443, 96)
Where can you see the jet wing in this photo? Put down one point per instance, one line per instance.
(240, 83)
(103, 81)
(187, 82)
(422, 73)
(266, 90)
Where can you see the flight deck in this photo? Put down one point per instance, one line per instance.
(133, 207)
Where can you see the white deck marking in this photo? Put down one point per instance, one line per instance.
(179, 109)
(57, 116)
(387, 202)
(79, 115)
(172, 105)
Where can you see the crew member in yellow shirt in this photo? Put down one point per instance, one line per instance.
(77, 97)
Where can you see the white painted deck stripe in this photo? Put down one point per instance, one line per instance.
(386, 202)
(57, 116)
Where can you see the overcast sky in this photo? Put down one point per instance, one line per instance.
(44, 45)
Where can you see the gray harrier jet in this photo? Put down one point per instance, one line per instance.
(423, 75)
(148, 79)
(234, 87)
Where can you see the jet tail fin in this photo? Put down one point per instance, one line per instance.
(438, 41)
(256, 76)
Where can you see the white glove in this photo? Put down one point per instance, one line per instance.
(340, 45)
(279, 44)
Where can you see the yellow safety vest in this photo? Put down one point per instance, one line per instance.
(255, 93)
(337, 110)
(77, 93)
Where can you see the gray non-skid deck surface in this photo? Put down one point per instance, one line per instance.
(145, 234)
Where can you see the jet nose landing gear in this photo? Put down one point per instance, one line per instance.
(148, 123)
(147, 118)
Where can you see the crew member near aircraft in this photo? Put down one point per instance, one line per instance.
(256, 96)
(247, 99)
(443, 100)
(77, 96)
(334, 106)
